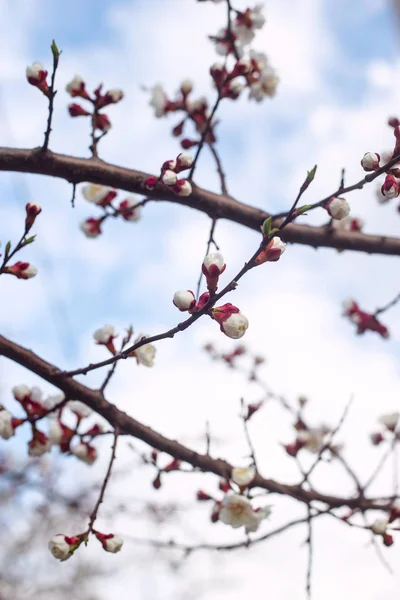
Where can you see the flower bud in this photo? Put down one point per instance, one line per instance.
(151, 183)
(112, 97)
(376, 438)
(184, 300)
(105, 336)
(100, 195)
(186, 143)
(22, 270)
(168, 177)
(218, 73)
(370, 161)
(60, 547)
(379, 526)
(182, 187)
(80, 409)
(272, 251)
(243, 476)
(390, 187)
(184, 161)
(338, 208)
(213, 266)
(33, 209)
(186, 86)
(223, 485)
(6, 424)
(202, 496)
(390, 420)
(85, 453)
(101, 122)
(110, 542)
(76, 110)
(39, 444)
(76, 87)
(36, 75)
(133, 216)
(145, 354)
(232, 322)
(91, 227)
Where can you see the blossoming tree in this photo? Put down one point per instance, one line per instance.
(58, 422)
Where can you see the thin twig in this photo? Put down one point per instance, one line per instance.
(309, 542)
(100, 499)
(51, 95)
(327, 444)
(210, 241)
(220, 171)
(387, 306)
(248, 437)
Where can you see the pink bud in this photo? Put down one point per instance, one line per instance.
(390, 187)
(151, 183)
(76, 110)
(101, 122)
(338, 208)
(33, 209)
(272, 252)
(213, 266)
(202, 496)
(36, 75)
(168, 177)
(186, 143)
(91, 227)
(22, 270)
(182, 187)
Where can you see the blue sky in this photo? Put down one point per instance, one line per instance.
(337, 65)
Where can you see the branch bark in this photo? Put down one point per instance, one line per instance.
(76, 170)
(128, 425)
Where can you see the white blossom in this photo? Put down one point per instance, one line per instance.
(184, 160)
(313, 439)
(158, 100)
(115, 95)
(214, 258)
(242, 476)
(379, 526)
(104, 334)
(390, 420)
(235, 326)
(237, 511)
(56, 432)
(85, 453)
(338, 208)
(168, 177)
(6, 426)
(74, 86)
(79, 408)
(59, 547)
(145, 354)
(95, 193)
(38, 447)
(35, 70)
(185, 188)
(21, 391)
(134, 215)
(370, 161)
(184, 299)
(187, 86)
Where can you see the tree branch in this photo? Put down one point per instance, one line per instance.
(77, 170)
(127, 425)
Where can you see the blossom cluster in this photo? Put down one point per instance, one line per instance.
(59, 412)
(105, 336)
(169, 175)
(390, 187)
(231, 321)
(312, 439)
(76, 88)
(364, 321)
(235, 509)
(62, 547)
(102, 196)
(389, 423)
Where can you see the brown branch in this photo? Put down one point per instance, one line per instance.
(130, 426)
(77, 170)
